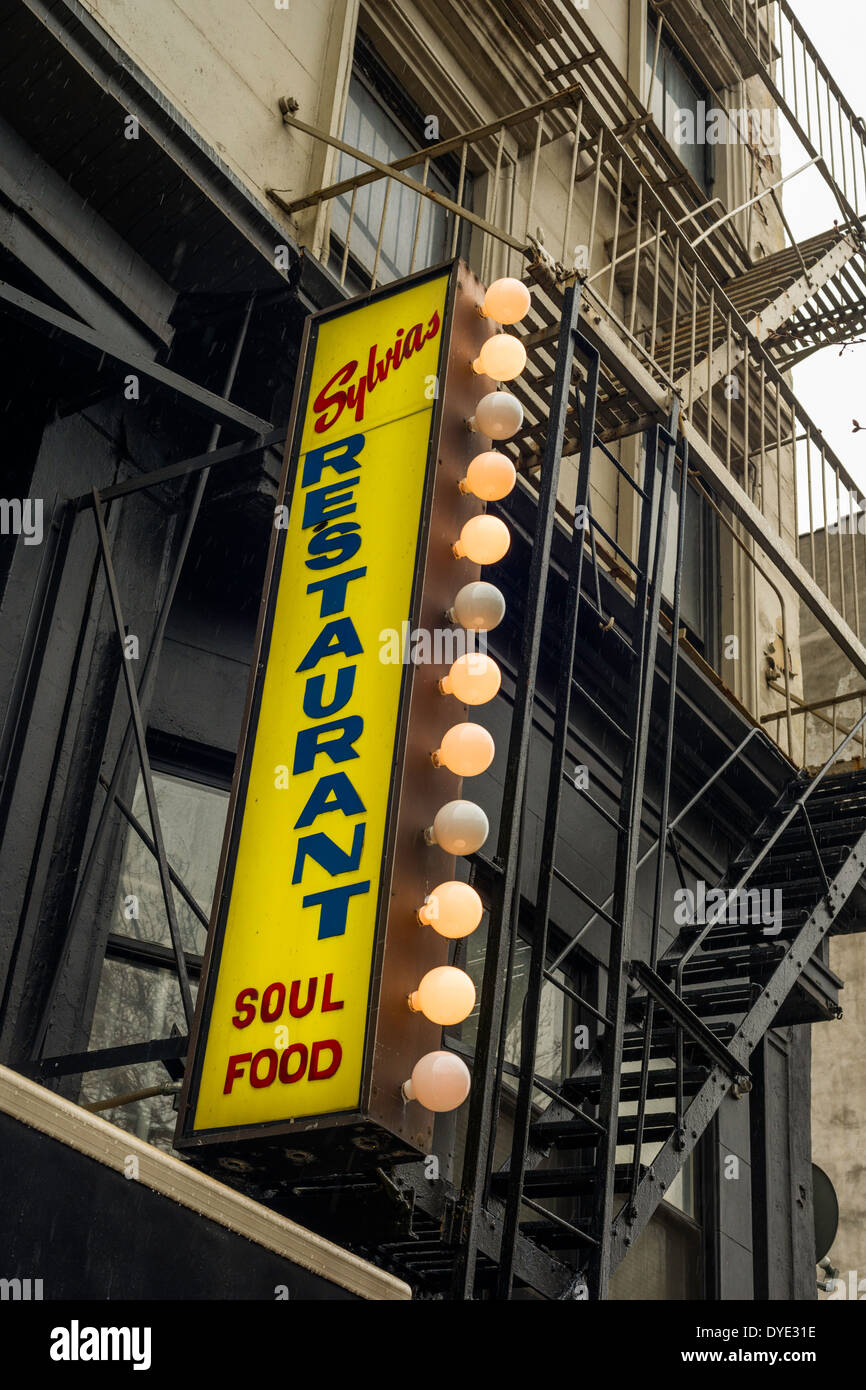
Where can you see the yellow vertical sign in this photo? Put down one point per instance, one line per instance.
(284, 1014)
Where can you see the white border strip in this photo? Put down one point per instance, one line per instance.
(89, 1134)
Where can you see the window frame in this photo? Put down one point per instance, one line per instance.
(385, 90)
(669, 49)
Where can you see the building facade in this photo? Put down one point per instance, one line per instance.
(184, 185)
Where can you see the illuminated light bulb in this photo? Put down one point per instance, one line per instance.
(445, 995)
(474, 679)
(489, 476)
(507, 300)
(478, 606)
(502, 357)
(483, 540)
(459, 827)
(440, 1081)
(499, 415)
(453, 909)
(466, 749)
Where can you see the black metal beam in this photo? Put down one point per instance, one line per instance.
(226, 454)
(85, 339)
(103, 1059)
(652, 544)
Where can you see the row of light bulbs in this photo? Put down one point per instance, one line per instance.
(440, 1081)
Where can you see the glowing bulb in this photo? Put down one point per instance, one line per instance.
(473, 679)
(453, 909)
(499, 415)
(483, 540)
(489, 476)
(445, 995)
(440, 1081)
(503, 357)
(478, 607)
(467, 749)
(459, 827)
(507, 300)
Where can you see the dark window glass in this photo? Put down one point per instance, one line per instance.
(389, 228)
(139, 996)
(677, 88)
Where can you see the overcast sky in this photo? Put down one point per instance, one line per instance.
(831, 388)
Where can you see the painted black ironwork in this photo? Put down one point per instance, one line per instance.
(503, 918)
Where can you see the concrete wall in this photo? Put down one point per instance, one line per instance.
(225, 63)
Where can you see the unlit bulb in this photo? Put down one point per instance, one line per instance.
(474, 679)
(483, 540)
(467, 749)
(507, 300)
(453, 909)
(459, 827)
(440, 1081)
(445, 995)
(502, 357)
(499, 415)
(489, 476)
(478, 606)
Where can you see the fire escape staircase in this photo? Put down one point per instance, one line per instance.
(694, 1018)
(774, 298)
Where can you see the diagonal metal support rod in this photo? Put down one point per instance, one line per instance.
(437, 151)
(144, 760)
(132, 819)
(95, 345)
(393, 172)
(813, 843)
(503, 915)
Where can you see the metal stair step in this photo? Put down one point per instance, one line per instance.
(565, 1182)
(733, 999)
(661, 1083)
(664, 1042)
(554, 1236)
(575, 1134)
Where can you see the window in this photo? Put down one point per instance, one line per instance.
(139, 996)
(409, 232)
(699, 588)
(678, 89)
